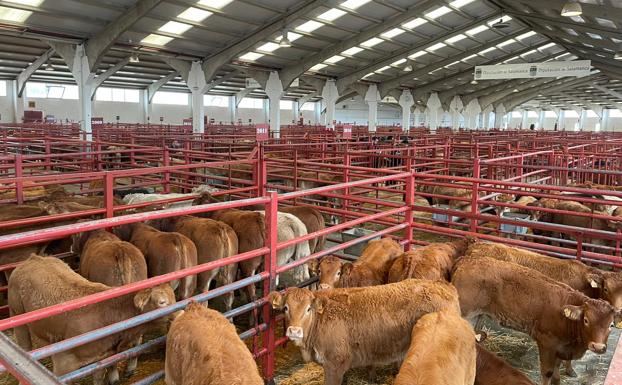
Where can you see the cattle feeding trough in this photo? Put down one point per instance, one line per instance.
(349, 186)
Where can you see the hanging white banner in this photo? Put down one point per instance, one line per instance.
(552, 69)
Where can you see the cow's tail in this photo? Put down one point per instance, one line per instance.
(124, 262)
(186, 284)
(321, 241)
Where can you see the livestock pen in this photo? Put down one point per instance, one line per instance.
(378, 188)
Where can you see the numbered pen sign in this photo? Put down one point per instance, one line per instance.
(97, 121)
(262, 131)
(347, 132)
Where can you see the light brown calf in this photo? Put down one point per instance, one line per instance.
(564, 322)
(45, 281)
(371, 268)
(442, 352)
(164, 253)
(203, 347)
(313, 220)
(432, 262)
(368, 326)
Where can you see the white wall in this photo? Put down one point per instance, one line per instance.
(6, 104)
(357, 111)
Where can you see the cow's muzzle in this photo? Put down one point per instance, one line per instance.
(597, 348)
(294, 333)
(324, 286)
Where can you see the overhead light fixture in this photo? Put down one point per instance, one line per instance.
(409, 66)
(571, 9)
(285, 42)
(501, 24)
(48, 67)
(473, 81)
(618, 55)
(134, 58)
(515, 90)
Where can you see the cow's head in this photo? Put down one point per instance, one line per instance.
(154, 298)
(330, 269)
(301, 308)
(596, 320)
(609, 286)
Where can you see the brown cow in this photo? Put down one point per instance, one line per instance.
(203, 347)
(214, 240)
(442, 352)
(164, 253)
(433, 262)
(371, 268)
(45, 281)
(106, 259)
(368, 326)
(313, 220)
(564, 322)
(492, 370)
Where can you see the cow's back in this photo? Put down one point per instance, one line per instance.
(492, 370)
(204, 348)
(248, 226)
(113, 263)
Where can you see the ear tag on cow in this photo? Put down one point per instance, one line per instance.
(593, 283)
(567, 313)
(478, 337)
(619, 325)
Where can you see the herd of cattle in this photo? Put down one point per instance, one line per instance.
(389, 306)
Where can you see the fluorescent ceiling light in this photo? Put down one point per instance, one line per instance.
(438, 12)
(251, 56)
(526, 35)
(352, 51)
(218, 4)
(414, 23)
(309, 26)
(334, 59)
(332, 14)
(318, 67)
(392, 33)
(14, 15)
(460, 3)
(291, 36)
(476, 30)
(417, 54)
(354, 4)
(396, 63)
(455, 39)
(194, 14)
(436, 46)
(372, 42)
(175, 27)
(32, 3)
(156, 39)
(268, 47)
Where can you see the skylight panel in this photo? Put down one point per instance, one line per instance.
(194, 14)
(578, 19)
(354, 4)
(417, 54)
(453, 64)
(318, 67)
(251, 56)
(594, 36)
(504, 19)
(14, 15)
(526, 35)
(460, 3)
(469, 57)
(334, 59)
(383, 69)
(605, 22)
(438, 12)
(156, 39)
(352, 51)
(414, 23)
(436, 46)
(32, 3)
(175, 27)
(511, 59)
(549, 45)
(268, 47)
(372, 42)
(487, 50)
(218, 4)
(455, 39)
(476, 30)
(291, 35)
(332, 14)
(369, 74)
(309, 26)
(392, 33)
(398, 62)
(505, 43)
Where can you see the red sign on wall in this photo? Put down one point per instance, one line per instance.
(347, 131)
(262, 132)
(97, 121)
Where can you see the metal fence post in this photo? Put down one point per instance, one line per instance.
(409, 191)
(270, 264)
(167, 174)
(346, 191)
(475, 195)
(109, 194)
(19, 184)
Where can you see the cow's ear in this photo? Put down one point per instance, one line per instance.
(573, 312)
(319, 303)
(142, 298)
(276, 300)
(595, 280)
(346, 268)
(314, 265)
(481, 336)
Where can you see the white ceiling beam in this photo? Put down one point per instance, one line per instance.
(23, 77)
(155, 86)
(99, 79)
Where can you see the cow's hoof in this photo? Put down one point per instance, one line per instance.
(570, 372)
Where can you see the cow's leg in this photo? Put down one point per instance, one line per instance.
(333, 373)
(113, 374)
(569, 370)
(556, 377)
(547, 365)
(225, 277)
